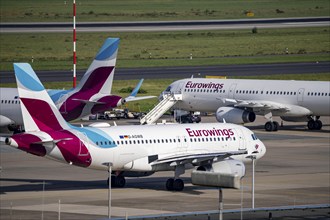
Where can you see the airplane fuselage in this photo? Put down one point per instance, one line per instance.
(210, 94)
(70, 106)
(135, 148)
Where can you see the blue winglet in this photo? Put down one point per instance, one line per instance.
(137, 88)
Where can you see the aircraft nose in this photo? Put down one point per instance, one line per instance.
(261, 149)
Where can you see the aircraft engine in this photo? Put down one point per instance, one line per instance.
(228, 166)
(234, 115)
(4, 121)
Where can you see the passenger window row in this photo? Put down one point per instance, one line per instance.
(257, 92)
(154, 141)
(318, 94)
(10, 102)
(206, 90)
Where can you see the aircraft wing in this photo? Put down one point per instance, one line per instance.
(132, 98)
(196, 158)
(258, 105)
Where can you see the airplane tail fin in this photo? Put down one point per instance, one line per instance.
(99, 76)
(38, 110)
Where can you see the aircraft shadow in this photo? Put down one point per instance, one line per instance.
(289, 128)
(53, 185)
(151, 183)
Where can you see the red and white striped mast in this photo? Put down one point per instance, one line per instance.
(74, 45)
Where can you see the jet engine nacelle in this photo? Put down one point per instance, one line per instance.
(234, 115)
(4, 121)
(228, 166)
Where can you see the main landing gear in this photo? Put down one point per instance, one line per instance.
(176, 184)
(117, 181)
(271, 126)
(314, 124)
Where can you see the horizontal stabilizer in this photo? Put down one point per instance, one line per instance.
(89, 102)
(52, 141)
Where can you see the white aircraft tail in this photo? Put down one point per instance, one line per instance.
(38, 110)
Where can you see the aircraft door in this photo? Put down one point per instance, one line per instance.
(178, 88)
(300, 95)
(241, 139)
(182, 144)
(231, 92)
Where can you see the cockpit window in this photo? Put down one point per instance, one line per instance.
(168, 89)
(254, 137)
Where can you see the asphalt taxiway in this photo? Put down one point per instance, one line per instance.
(294, 172)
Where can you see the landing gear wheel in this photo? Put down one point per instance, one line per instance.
(178, 185)
(276, 125)
(314, 125)
(117, 181)
(318, 124)
(310, 124)
(169, 184)
(120, 181)
(269, 126)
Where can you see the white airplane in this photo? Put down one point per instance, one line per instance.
(135, 150)
(92, 94)
(239, 101)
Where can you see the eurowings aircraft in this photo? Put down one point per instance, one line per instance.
(239, 101)
(92, 95)
(134, 150)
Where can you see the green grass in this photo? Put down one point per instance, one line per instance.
(156, 86)
(145, 10)
(54, 51)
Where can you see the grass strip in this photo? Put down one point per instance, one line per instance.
(155, 49)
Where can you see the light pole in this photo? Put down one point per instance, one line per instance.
(220, 203)
(253, 158)
(109, 165)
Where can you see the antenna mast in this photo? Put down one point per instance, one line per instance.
(74, 44)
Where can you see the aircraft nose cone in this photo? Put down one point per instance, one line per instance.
(161, 97)
(261, 149)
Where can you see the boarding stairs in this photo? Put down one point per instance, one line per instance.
(168, 101)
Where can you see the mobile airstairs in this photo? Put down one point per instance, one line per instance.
(168, 101)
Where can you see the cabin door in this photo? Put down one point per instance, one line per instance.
(182, 144)
(300, 95)
(241, 139)
(231, 92)
(178, 89)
